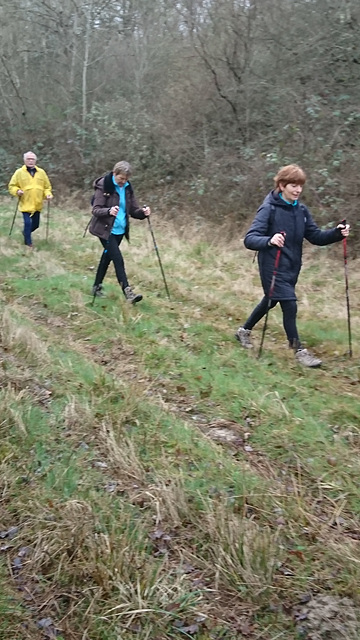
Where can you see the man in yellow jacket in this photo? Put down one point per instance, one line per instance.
(32, 186)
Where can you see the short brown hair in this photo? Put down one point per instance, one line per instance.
(122, 167)
(290, 174)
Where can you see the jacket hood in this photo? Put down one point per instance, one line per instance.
(105, 183)
(273, 198)
(96, 183)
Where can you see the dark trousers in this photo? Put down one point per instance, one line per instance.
(113, 254)
(289, 311)
(31, 223)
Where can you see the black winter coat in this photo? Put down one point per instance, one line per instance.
(275, 216)
(105, 197)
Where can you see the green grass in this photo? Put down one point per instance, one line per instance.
(165, 482)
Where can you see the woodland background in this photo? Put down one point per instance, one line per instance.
(206, 98)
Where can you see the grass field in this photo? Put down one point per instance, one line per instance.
(156, 480)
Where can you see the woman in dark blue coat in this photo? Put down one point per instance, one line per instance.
(282, 223)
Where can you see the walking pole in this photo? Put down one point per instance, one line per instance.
(102, 257)
(47, 220)
(347, 290)
(158, 255)
(13, 221)
(271, 291)
(94, 296)
(86, 228)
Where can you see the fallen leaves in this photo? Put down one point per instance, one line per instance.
(328, 617)
(161, 542)
(48, 628)
(190, 626)
(229, 432)
(10, 533)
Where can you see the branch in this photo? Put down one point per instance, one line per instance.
(15, 89)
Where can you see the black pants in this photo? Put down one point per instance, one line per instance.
(113, 254)
(289, 311)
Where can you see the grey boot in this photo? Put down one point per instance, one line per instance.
(243, 335)
(132, 297)
(304, 357)
(97, 290)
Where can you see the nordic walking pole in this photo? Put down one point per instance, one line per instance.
(158, 255)
(101, 259)
(271, 291)
(86, 228)
(47, 220)
(94, 296)
(13, 221)
(347, 290)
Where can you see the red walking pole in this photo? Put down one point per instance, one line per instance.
(271, 291)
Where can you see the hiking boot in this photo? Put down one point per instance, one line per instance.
(304, 357)
(243, 335)
(97, 290)
(131, 296)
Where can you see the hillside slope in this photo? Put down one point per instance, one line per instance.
(156, 479)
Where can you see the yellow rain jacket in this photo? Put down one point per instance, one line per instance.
(35, 188)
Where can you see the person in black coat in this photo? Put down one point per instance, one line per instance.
(282, 223)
